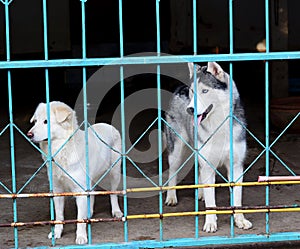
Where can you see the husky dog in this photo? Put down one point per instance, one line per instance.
(68, 150)
(213, 107)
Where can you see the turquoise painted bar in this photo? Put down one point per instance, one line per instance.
(153, 59)
(156, 58)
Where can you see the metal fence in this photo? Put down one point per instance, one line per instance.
(157, 60)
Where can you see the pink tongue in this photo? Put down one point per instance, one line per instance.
(200, 119)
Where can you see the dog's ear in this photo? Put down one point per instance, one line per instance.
(62, 113)
(216, 70)
(191, 68)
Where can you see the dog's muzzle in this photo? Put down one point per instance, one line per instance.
(30, 135)
(202, 116)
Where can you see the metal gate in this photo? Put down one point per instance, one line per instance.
(161, 217)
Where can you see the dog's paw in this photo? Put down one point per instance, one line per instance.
(210, 225)
(242, 223)
(81, 240)
(117, 214)
(57, 232)
(171, 199)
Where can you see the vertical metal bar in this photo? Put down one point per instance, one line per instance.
(159, 119)
(49, 155)
(86, 124)
(160, 167)
(7, 31)
(45, 22)
(157, 27)
(123, 128)
(195, 119)
(121, 28)
(267, 8)
(11, 124)
(195, 27)
(267, 110)
(12, 156)
(231, 159)
(231, 27)
(124, 165)
(267, 139)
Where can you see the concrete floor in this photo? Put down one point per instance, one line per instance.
(28, 161)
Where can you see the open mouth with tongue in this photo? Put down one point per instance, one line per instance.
(203, 115)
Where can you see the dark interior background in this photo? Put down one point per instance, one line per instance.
(139, 22)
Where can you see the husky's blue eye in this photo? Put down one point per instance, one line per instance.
(204, 90)
(45, 121)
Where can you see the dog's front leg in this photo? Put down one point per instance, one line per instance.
(239, 219)
(81, 236)
(171, 199)
(208, 177)
(200, 190)
(174, 160)
(59, 215)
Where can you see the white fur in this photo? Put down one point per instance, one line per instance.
(216, 149)
(72, 158)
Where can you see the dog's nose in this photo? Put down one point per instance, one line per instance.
(30, 135)
(190, 110)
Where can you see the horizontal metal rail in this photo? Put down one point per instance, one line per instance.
(60, 222)
(148, 189)
(205, 212)
(191, 242)
(50, 195)
(149, 60)
(214, 210)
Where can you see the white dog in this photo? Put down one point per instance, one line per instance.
(71, 157)
(213, 105)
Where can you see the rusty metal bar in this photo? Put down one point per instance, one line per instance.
(253, 207)
(148, 189)
(214, 210)
(49, 195)
(63, 222)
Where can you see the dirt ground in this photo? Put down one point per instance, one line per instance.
(28, 161)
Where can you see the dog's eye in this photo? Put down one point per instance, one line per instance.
(204, 90)
(45, 121)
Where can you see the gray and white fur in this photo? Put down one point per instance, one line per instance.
(212, 110)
